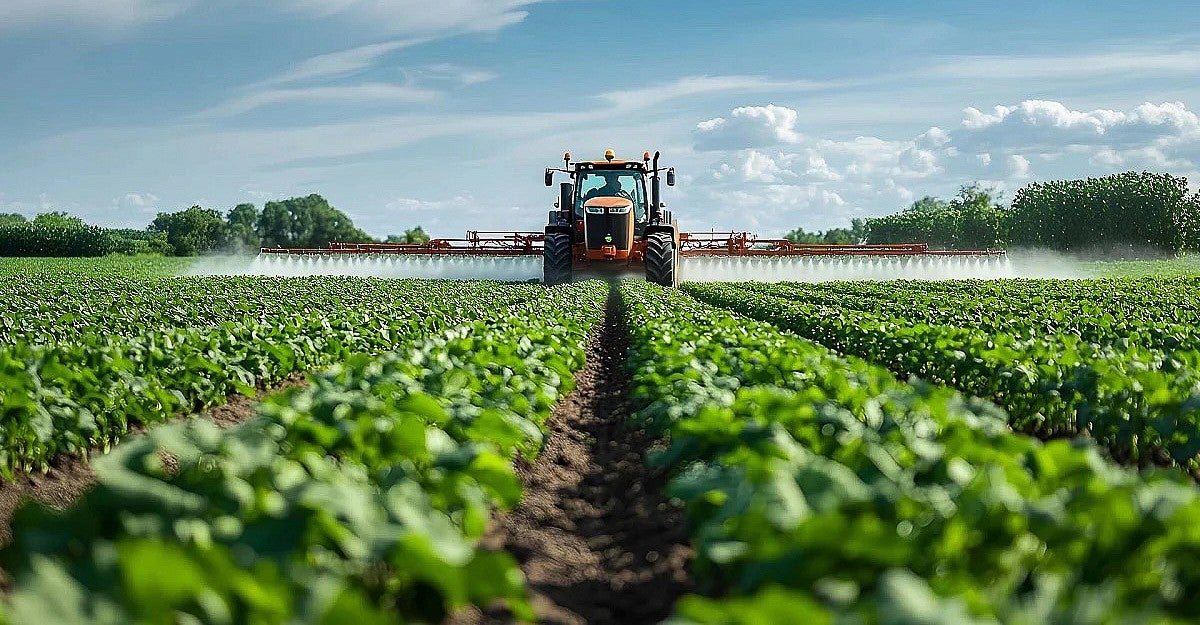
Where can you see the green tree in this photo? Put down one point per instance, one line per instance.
(972, 219)
(306, 222)
(412, 236)
(243, 228)
(274, 225)
(11, 219)
(928, 205)
(833, 236)
(860, 230)
(58, 219)
(193, 231)
(981, 218)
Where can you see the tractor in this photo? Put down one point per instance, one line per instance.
(611, 218)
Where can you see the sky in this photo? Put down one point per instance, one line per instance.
(776, 114)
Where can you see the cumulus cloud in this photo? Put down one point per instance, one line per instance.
(750, 126)
(137, 200)
(1041, 124)
(763, 159)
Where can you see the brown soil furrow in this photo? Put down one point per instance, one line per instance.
(596, 538)
(70, 477)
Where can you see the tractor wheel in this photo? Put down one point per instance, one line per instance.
(557, 258)
(662, 259)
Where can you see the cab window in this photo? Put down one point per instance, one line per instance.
(617, 183)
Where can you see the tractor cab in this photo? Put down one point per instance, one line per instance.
(594, 185)
(611, 215)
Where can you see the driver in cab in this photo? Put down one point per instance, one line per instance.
(612, 188)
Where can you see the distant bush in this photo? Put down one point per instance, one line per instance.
(39, 239)
(130, 242)
(972, 220)
(1138, 210)
(1133, 211)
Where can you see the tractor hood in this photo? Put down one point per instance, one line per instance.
(611, 205)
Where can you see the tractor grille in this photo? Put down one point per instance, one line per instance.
(599, 226)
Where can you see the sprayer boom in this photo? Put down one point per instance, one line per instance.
(746, 244)
(476, 243)
(495, 243)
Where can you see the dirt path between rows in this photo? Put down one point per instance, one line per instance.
(71, 476)
(596, 538)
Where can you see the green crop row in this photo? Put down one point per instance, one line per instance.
(1142, 404)
(358, 499)
(67, 309)
(72, 396)
(1151, 313)
(105, 266)
(820, 489)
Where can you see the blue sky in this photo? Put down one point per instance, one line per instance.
(402, 112)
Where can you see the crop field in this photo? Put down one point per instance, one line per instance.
(207, 449)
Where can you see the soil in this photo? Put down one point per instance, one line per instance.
(70, 477)
(596, 537)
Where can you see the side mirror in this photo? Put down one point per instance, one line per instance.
(662, 204)
(671, 177)
(549, 178)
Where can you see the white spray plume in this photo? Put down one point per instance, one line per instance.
(1017, 264)
(506, 268)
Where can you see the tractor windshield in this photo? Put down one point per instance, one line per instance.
(615, 183)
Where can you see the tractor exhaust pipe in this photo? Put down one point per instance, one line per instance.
(655, 192)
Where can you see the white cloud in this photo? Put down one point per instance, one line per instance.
(105, 14)
(692, 86)
(397, 17)
(418, 16)
(462, 76)
(409, 205)
(749, 126)
(1074, 66)
(341, 63)
(348, 94)
(1018, 166)
(758, 167)
(764, 160)
(136, 200)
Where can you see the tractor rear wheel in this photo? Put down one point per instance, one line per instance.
(557, 258)
(662, 259)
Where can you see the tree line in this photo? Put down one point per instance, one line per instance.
(297, 222)
(1135, 211)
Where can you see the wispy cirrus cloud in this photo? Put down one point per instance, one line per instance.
(371, 92)
(341, 63)
(418, 16)
(105, 14)
(645, 97)
(1074, 66)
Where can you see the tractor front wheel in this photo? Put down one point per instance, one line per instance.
(662, 259)
(556, 258)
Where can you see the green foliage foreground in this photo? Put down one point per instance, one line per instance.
(821, 489)
(359, 499)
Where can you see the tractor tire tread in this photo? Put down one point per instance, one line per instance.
(661, 259)
(557, 259)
